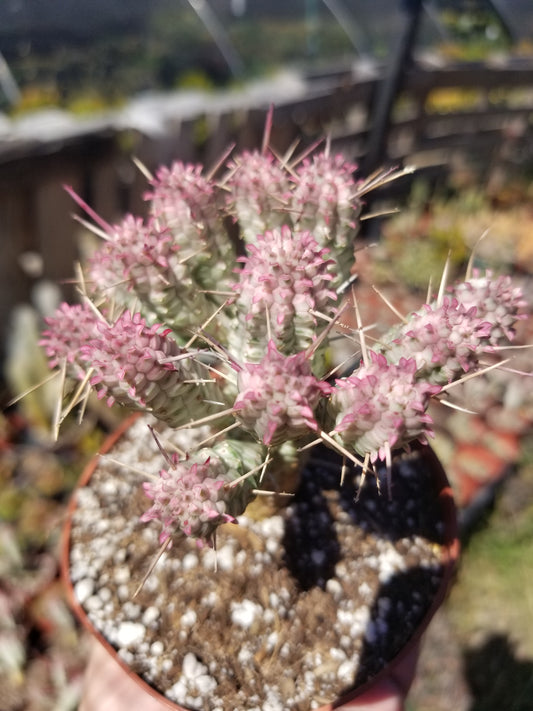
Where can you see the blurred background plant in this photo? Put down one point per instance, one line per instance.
(87, 58)
(415, 243)
(118, 51)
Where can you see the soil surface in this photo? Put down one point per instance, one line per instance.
(290, 611)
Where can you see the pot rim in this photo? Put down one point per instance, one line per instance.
(450, 555)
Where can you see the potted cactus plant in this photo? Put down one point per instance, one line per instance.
(220, 320)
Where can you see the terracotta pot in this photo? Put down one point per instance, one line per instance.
(449, 554)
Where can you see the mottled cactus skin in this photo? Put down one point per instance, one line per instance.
(179, 321)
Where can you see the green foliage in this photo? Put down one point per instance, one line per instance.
(473, 33)
(268, 43)
(37, 96)
(175, 50)
(496, 569)
(417, 242)
(87, 102)
(195, 79)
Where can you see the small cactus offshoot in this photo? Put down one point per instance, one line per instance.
(176, 320)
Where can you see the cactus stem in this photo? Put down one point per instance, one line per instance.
(253, 471)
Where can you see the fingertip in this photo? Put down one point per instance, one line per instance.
(383, 697)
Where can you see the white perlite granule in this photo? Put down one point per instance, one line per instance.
(83, 590)
(245, 612)
(194, 680)
(212, 651)
(129, 634)
(189, 619)
(150, 615)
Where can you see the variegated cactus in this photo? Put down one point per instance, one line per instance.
(177, 321)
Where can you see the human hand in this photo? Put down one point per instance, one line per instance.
(109, 688)
(389, 693)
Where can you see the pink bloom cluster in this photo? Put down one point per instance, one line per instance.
(285, 277)
(183, 199)
(259, 193)
(130, 362)
(496, 300)
(269, 315)
(323, 201)
(445, 341)
(277, 397)
(131, 247)
(190, 498)
(381, 406)
(147, 258)
(70, 328)
(186, 202)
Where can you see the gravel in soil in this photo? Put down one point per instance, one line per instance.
(302, 606)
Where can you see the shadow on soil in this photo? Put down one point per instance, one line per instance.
(497, 679)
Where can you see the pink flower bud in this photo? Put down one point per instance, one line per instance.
(277, 397)
(382, 405)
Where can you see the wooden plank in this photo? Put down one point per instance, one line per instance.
(15, 239)
(54, 226)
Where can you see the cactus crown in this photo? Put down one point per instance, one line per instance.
(175, 322)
